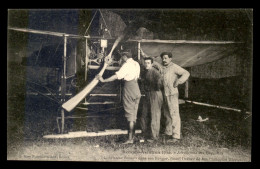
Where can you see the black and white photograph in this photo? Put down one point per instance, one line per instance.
(130, 84)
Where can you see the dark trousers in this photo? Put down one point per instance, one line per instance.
(151, 114)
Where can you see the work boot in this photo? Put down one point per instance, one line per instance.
(173, 140)
(165, 138)
(129, 141)
(150, 140)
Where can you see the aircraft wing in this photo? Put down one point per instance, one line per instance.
(190, 53)
(44, 32)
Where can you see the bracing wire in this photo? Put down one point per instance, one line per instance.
(44, 94)
(48, 89)
(55, 50)
(90, 22)
(105, 22)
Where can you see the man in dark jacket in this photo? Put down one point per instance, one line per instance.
(151, 114)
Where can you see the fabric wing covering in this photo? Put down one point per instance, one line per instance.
(190, 54)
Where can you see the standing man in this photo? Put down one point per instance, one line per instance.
(173, 75)
(130, 72)
(151, 114)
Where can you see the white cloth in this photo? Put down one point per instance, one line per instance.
(129, 71)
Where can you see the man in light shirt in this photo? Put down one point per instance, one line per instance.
(130, 72)
(173, 75)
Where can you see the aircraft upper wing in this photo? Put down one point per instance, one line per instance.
(44, 32)
(185, 53)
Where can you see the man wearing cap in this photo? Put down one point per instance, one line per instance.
(172, 75)
(130, 72)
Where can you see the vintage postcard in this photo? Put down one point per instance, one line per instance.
(129, 85)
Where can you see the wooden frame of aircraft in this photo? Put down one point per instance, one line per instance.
(188, 60)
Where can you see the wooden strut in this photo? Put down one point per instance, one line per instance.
(89, 134)
(183, 41)
(103, 95)
(216, 106)
(108, 68)
(63, 84)
(139, 48)
(46, 32)
(86, 60)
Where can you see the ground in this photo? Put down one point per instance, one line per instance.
(226, 136)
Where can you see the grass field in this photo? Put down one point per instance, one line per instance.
(226, 136)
